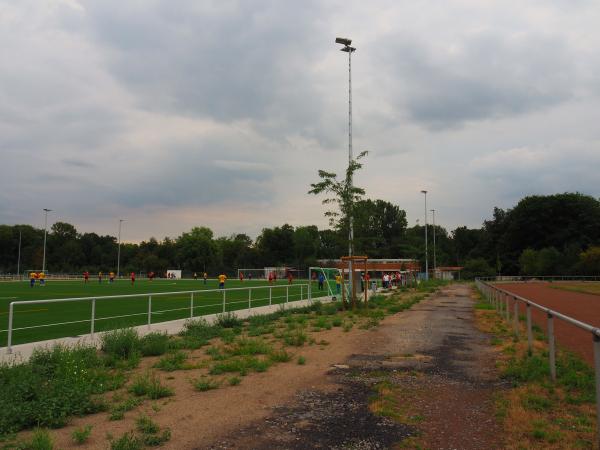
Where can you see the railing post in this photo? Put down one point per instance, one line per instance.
(270, 295)
(249, 298)
(597, 373)
(191, 305)
(516, 316)
(149, 311)
(287, 294)
(301, 288)
(551, 347)
(529, 330)
(309, 291)
(223, 300)
(93, 317)
(10, 328)
(507, 306)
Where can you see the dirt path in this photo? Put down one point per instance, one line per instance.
(438, 376)
(581, 306)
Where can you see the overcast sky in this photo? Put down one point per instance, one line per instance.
(174, 113)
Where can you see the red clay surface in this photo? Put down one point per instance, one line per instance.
(583, 307)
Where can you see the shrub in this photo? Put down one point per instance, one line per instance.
(234, 381)
(146, 425)
(40, 440)
(296, 338)
(244, 346)
(301, 360)
(199, 330)
(121, 343)
(81, 434)
(55, 383)
(149, 384)
(154, 440)
(154, 344)
(280, 356)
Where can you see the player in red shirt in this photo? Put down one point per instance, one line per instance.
(290, 278)
(270, 277)
(86, 277)
(132, 278)
(241, 277)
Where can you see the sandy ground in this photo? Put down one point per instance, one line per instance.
(433, 352)
(580, 306)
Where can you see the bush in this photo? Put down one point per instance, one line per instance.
(54, 384)
(154, 344)
(122, 343)
(146, 425)
(280, 356)
(200, 331)
(127, 442)
(204, 384)
(172, 361)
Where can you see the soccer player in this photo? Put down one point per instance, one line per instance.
(290, 278)
(270, 277)
(111, 277)
(195, 276)
(86, 277)
(132, 278)
(99, 277)
(222, 279)
(32, 279)
(151, 275)
(42, 277)
(338, 284)
(321, 279)
(250, 276)
(205, 276)
(241, 277)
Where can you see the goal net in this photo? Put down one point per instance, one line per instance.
(328, 275)
(281, 273)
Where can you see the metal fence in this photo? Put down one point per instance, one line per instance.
(500, 298)
(305, 294)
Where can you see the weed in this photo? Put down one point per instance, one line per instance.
(154, 440)
(234, 381)
(244, 346)
(172, 361)
(203, 384)
(154, 344)
(228, 320)
(118, 411)
(82, 434)
(297, 338)
(200, 331)
(121, 343)
(40, 440)
(280, 356)
(347, 326)
(337, 321)
(146, 425)
(127, 442)
(149, 384)
(228, 335)
(301, 360)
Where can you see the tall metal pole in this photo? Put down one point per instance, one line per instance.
(19, 257)
(46, 211)
(119, 250)
(426, 258)
(434, 259)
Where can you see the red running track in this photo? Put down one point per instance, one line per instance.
(583, 307)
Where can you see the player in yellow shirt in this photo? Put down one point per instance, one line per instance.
(205, 276)
(111, 277)
(222, 279)
(32, 279)
(338, 284)
(42, 277)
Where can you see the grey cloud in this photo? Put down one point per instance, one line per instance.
(486, 75)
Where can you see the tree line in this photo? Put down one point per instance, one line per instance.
(554, 234)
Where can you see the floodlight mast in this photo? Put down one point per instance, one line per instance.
(426, 259)
(346, 43)
(434, 259)
(119, 251)
(46, 211)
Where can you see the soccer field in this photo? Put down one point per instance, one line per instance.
(38, 322)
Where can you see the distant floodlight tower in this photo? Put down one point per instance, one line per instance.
(119, 250)
(348, 49)
(434, 259)
(46, 211)
(426, 259)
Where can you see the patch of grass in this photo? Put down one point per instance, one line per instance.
(296, 338)
(149, 384)
(234, 381)
(146, 425)
(301, 360)
(228, 320)
(40, 440)
(199, 331)
(117, 412)
(172, 361)
(203, 384)
(154, 344)
(535, 402)
(157, 439)
(280, 356)
(347, 326)
(241, 365)
(246, 346)
(128, 441)
(82, 434)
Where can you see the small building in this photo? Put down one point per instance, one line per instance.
(376, 266)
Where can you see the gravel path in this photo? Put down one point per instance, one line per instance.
(442, 372)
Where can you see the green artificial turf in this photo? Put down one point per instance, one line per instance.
(175, 305)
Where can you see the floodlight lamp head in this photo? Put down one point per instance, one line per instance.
(348, 49)
(343, 41)
(423, 192)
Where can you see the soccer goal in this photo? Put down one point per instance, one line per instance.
(329, 274)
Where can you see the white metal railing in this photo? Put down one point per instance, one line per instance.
(305, 293)
(499, 298)
(541, 278)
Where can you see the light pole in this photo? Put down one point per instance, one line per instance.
(348, 49)
(119, 251)
(434, 259)
(19, 257)
(426, 259)
(46, 211)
